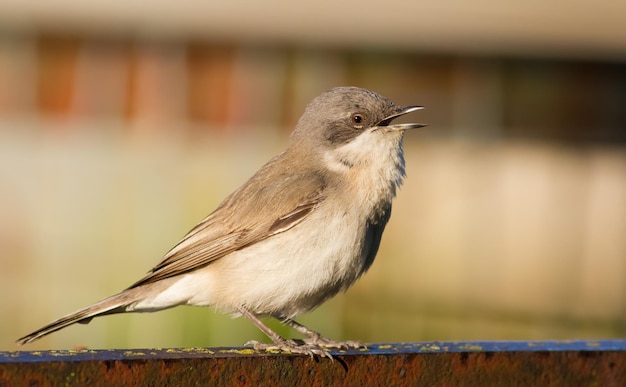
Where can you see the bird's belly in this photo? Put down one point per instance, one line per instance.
(289, 273)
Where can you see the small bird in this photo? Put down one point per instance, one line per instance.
(305, 227)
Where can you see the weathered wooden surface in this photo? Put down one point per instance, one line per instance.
(555, 363)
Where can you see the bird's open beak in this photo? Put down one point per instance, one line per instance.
(408, 109)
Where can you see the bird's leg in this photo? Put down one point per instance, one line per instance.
(280, 344)
(316, 339)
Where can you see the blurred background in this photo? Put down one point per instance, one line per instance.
(122, 124)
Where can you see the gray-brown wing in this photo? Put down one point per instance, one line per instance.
(235, 224)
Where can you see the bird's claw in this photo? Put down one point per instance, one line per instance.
(327, 343)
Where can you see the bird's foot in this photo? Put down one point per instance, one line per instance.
(323, 342)
(291, 346)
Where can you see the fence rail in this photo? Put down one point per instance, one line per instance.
(601, 363)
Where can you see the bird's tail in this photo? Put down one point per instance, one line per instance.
(114, 304)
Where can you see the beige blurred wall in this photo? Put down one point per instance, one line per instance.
(568, 28)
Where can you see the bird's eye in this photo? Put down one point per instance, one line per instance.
(357, 119)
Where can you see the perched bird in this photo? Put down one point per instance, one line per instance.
(306, 226)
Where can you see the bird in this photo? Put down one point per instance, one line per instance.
(301, 230)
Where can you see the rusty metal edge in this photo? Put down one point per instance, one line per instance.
(550, 363)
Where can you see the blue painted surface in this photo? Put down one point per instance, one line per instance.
(502, 346)
(373, 349)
